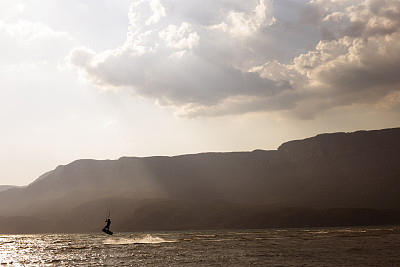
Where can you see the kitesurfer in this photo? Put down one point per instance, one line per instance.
(108, 221)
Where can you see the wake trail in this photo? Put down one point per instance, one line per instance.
(147, 239)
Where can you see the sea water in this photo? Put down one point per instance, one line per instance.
(356, 246)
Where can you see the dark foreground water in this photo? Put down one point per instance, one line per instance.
(358, 246)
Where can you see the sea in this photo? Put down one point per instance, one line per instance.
(350, 246)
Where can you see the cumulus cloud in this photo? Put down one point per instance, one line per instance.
(360, 66)
(180, 37)
(25, 40)
(212, 63)
(242, 23)
(170, 61)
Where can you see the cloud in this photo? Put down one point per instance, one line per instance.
(242, 23)
(360, 66)
(169, 62)
(10, 8)
(180, 37)
(217, 63)
(31, 41)
(26, 32)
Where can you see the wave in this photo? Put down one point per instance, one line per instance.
(147, 239)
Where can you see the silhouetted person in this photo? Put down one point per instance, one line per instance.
(108, 221)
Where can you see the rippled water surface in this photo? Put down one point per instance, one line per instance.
(371, 246)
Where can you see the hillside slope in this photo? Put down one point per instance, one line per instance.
(324, 176)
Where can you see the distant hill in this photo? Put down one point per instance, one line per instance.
(327, 180)
(6, 187)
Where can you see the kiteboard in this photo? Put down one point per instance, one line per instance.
(107, 231)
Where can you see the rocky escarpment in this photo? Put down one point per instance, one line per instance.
(321, 180)
(348, 169)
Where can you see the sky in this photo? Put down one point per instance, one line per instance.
(105, 79)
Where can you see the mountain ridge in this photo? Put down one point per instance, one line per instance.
(342, 171)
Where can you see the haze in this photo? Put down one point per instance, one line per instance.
(104, 79)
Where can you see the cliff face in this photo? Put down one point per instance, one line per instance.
(344, 171)
(359, 169)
